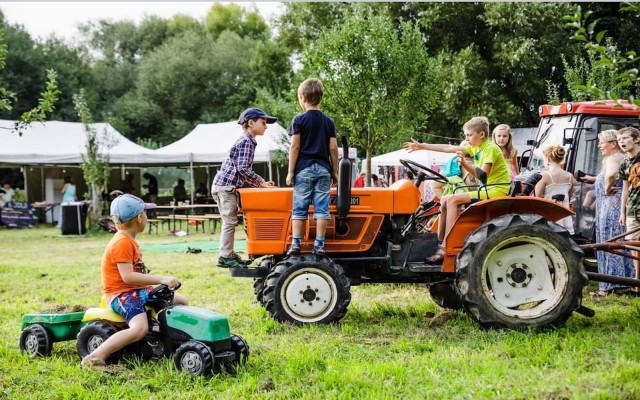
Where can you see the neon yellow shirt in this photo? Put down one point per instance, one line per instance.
(489, 153)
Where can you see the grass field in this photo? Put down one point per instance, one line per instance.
(394, 342)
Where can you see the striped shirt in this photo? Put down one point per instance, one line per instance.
(236, 169)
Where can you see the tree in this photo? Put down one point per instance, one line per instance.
(44, 104)
(378, 87)
(95, 168)
(236, 19)
(607, 56)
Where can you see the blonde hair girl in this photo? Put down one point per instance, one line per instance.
(503, 137)
(555, 180)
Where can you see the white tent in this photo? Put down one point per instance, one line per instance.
(210, 143)
(59, 143)
(424, 157)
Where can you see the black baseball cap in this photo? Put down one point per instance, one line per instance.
(252, 113)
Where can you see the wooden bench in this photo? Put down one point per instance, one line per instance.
(214, 219)
(153, 223)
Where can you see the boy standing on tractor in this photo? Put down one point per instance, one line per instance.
(234, 173)
(487, 157)
(125, 281)
(313, 164)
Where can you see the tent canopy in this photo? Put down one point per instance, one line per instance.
(55, 142)
(210, 143)
(424, 157)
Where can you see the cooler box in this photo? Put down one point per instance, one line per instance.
(74, 218)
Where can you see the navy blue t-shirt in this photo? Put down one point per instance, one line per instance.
(315, 130)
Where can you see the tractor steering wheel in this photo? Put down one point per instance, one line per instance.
(414, 167)
(162, 291)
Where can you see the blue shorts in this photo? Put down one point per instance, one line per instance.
(312, 184)
(131, 303)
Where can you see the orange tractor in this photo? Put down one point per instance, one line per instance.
(507, 263)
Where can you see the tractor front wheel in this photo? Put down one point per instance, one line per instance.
(240, 347)
(36, 341)
(194, 357)
(307, 289)
(520, 271)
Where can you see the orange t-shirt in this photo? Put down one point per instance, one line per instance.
(121, 249)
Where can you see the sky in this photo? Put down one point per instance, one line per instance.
(43, 18)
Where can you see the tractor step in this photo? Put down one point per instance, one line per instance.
(424, 268)
(259, 272)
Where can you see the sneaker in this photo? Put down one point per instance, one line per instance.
(318, 250)
(294, 250)
(229, 262)
(240, 260)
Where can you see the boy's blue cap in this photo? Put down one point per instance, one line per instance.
(251, 113)
(127, 206)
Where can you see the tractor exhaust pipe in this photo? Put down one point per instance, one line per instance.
(343, 199)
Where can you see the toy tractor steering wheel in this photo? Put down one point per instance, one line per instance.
(415, 167)
(163, 293)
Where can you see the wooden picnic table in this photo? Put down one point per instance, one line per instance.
(189, 210)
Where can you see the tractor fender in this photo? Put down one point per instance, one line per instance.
(478, 213)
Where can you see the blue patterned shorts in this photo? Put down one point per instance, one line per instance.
(131, 303)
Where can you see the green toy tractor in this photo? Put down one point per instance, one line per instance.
(199, 340)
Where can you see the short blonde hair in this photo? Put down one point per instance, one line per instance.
(312, 90)
(478, 124)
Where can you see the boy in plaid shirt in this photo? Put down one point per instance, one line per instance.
(236, 172)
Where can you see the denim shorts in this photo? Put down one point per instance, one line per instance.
(131, 303)
(312, 184)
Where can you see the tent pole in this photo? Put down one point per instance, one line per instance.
(26, 182)
(193, 188)
(270, 171)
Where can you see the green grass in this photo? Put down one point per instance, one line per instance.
(394, 342)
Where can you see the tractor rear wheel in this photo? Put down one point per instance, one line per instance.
(92, 336)
(444, 294)
(241, 348)
(307, 289)
(36, 341)
(520, 271)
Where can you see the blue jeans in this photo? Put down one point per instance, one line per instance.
(311, 184)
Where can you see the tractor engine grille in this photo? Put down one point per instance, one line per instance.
(269, 228)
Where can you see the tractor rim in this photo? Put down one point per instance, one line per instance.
(525, 277)
(309, 294)
(94, 342)
(31, 343)
(191, 361)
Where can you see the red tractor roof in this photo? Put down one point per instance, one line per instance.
(599, 107)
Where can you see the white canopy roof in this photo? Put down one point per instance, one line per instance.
(424, 157)
(211, 143)
(55, 142)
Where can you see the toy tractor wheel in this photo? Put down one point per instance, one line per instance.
(92, 336)
(444, 295)
(194, 357)
(307, 289)
(520, 271)
(240, 347)
(36, 341)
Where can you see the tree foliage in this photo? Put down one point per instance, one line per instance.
(378, 87)
(96, 167)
